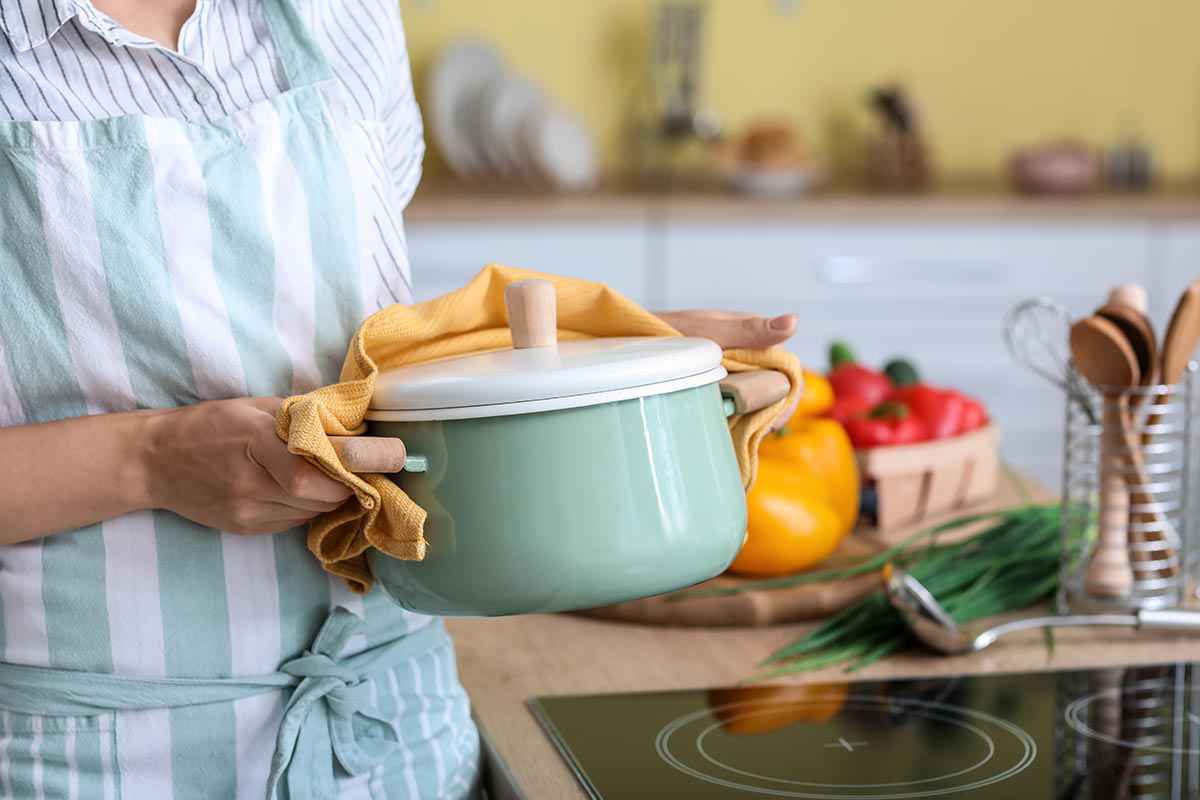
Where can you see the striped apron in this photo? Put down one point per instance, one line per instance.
(148, 263)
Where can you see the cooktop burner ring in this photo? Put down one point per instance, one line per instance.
(937, 712)
(988, 741)
(1076, 717)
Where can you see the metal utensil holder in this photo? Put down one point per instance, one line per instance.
(1133, 476)
(1127, 733)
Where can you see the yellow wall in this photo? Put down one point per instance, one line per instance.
(989, 75)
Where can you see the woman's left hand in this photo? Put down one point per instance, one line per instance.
(732, 329)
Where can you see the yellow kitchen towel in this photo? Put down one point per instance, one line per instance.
(469, 320)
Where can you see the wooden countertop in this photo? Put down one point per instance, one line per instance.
(505, 661)
(444, 203)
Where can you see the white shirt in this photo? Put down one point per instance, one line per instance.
(66, 60)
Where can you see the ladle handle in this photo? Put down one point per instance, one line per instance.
(532, 313)
(1168, 619)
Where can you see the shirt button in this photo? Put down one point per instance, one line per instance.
(205, 96)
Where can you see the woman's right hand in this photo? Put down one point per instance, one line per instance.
(221, 464)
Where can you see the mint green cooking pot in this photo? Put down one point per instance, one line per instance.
(565, 476)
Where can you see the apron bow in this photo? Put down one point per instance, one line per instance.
(330, 710)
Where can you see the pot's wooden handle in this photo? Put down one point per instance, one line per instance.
(370, 454)
(755, 390)
(532, 313)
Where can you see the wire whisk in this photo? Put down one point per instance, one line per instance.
(1037, 334)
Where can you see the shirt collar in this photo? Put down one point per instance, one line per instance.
(29, 23)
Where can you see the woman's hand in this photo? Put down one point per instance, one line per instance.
(220, 464)
(732, 329)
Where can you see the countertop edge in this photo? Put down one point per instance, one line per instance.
(441, 205)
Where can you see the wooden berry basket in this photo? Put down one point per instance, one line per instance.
(916, 481)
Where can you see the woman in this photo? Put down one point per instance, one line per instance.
(200, 202)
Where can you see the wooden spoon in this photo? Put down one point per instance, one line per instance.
(1183, 334)
(1139, 332)
(1179, 345)
(1147, 526)
(1104, 356)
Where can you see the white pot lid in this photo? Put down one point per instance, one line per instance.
(564, 375)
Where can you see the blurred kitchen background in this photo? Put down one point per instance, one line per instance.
(899, 174)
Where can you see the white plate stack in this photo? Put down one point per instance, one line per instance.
(493, 125)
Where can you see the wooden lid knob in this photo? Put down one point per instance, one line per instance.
(532, 313)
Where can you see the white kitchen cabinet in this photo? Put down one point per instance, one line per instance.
(445, 255)
(1181, 264)
(935, 292)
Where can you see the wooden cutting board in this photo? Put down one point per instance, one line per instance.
(760, 607)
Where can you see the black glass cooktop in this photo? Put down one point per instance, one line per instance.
(1097, 735)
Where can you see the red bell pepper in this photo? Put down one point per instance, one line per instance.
(940, 409)
(974, 415)
(857, 381)
(889, 423)
(847, 408)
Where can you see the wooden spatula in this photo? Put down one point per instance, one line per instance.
(1146, 526)
(1105, 358)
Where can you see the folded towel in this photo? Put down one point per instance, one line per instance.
(469, 320)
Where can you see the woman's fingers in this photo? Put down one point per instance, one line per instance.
(731, 329)
(302, 485)
(272, 518)
(268, 404)
(220, 463)
(785, 415)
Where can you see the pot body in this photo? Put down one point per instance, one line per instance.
(569, 509)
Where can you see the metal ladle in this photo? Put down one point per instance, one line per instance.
(930, 623)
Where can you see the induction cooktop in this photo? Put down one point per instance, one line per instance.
(1094, 735)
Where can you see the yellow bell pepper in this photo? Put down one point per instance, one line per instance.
(792, 523)
(775, 707)
(805, 499)
(817, 397)
(821, 448)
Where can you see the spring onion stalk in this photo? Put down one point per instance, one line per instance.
(1011, 563)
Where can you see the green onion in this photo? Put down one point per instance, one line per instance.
(1011, 563)
(873, 564)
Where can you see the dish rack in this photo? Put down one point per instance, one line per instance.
(1125, 503)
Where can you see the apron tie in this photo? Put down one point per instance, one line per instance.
(330, 712)
(329, 716)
